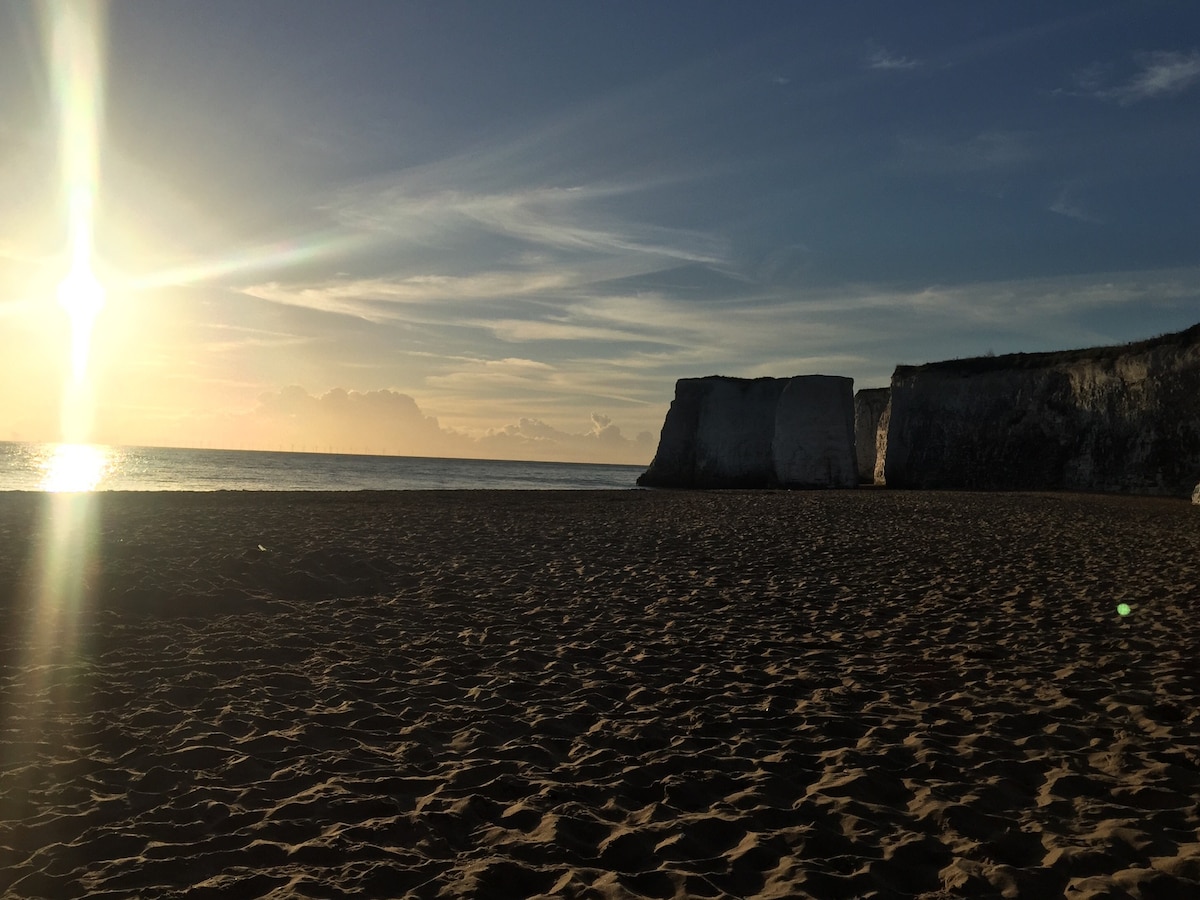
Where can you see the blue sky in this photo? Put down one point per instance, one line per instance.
(506, 229)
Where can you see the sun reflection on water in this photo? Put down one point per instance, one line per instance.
(73, 468)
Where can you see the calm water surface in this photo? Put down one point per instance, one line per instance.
(85, 467)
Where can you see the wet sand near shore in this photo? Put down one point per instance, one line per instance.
(599, 694)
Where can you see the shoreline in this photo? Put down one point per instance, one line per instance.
(614, 692)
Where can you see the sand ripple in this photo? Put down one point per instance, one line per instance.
(604, 694)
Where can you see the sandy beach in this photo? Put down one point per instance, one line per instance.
(599, 694)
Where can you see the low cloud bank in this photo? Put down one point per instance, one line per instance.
(390, 422)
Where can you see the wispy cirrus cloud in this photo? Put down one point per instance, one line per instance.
(483, 376)
(1067, 203)
(547, 217)
(254, 342)
(531, 329)
(661, 329)
(517, 386)
(1162, 73)
(883, 59)
(1159, 74)
(475, 245)
(337, 298)
(378, 299)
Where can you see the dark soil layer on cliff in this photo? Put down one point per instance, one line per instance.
(619, 694)
(977, 364)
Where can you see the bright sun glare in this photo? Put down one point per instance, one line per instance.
(75, 32)
(81, 295)
(60, 588)
(74, 467)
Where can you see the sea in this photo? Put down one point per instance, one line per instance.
(95, 467)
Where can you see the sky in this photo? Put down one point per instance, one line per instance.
(505, 230)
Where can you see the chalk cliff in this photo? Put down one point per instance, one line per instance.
(764, 432)
(869, 404)
(1105, 419)
(881, 433)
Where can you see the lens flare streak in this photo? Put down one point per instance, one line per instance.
(75, 38)
(60, 585)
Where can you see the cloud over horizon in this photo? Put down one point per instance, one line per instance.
(391, 422)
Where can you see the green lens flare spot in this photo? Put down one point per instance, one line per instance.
(1124, 609)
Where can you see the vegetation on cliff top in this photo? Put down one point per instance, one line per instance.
(980, 364)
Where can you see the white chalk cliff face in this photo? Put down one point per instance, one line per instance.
(881, 433)
(766, 432)
(1123, 419)
(869, 405)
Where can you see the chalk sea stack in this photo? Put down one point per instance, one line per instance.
(1119, 419)
(723, 432)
